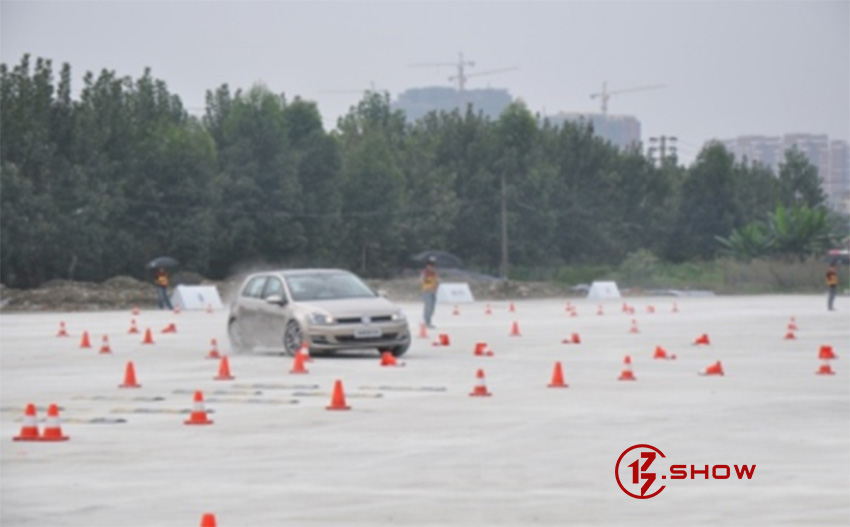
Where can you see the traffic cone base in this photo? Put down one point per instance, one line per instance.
(790, 336)
(29, 430)
(714, 369)
(702, 340)
(388, 359)
(199, 414)
(53, 428)
(171, 328)
(338, 398)
(480, 389)
(62, 331)
(825, 369)
(224, 371)
(482, 350)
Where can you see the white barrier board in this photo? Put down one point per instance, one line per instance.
(603, 290)
(196, 297)
(454, 293)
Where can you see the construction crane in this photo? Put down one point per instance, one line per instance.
(462, 76)
(604, 95)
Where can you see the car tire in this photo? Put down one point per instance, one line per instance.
(293, 337)
(398, 351)
(234, 334)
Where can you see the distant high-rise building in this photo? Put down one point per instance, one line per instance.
(418, 102)
(620, 130)
(829, 157)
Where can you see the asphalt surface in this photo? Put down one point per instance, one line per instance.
(415, 448)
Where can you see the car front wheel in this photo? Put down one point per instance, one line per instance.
(234, 333)
(292, 338)
(398, 351)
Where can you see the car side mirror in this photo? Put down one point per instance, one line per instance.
(276, 299)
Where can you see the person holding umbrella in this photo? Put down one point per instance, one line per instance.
(161, 280)
(429, 282)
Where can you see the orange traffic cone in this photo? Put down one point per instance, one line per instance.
(634, 328)
(573, 312)
(515, 330)
(568, 306)
(627, 374)
(488, 311)
(148, 337)
(557, 377)
(171, 328)
(213, 354)
(826, 353)
(130, 377)
(209, 308)
(512, 308)
(104, 345)
(338, 398)
(224, 370)
(442, 340)
(599, 311)
(480, 389)
(133, 329)
(825, 368)
(456, 311)
(675, 307)
(208, 520)
(792, 324)
(199, 414)
(29, 430)
(305, 350)
(53, 427)
(631, 310)
(714, 369)
(423, 331)
(625, 308)
(85, 342)
(298, 363)
(661, 353)
(135, 311)
(575, 338)
(702, 340)
(62, 331)
(790, 336)
(388, 359)
(176, 310)
(650, 310)
(481, 350)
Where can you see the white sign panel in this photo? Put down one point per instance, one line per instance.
(454, 293)
(603, 290)
(196, 297)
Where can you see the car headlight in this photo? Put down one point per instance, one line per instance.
(399, 315)
(321, 319)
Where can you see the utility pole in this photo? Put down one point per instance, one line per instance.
(662, 148)
(504, 263)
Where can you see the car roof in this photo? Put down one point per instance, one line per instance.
(302, 272)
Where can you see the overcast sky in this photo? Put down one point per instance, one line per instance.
(729, 68)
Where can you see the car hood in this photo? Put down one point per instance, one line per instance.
(350, 307)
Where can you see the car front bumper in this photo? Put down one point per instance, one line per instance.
(345, 336)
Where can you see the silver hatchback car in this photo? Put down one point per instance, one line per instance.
(328, 309)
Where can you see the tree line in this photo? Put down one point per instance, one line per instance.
(96, 185)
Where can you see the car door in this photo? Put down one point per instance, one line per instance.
(271, 319)
(249, 311)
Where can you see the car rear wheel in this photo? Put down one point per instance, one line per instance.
(292, 338)
(234, 333)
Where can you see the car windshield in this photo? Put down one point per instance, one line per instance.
(327, 286)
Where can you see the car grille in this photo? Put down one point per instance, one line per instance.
(359, 320)
(382, 338)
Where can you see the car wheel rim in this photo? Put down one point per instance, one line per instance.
(293, 338)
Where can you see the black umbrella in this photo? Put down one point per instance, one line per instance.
(162, 261)
(441, 258)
